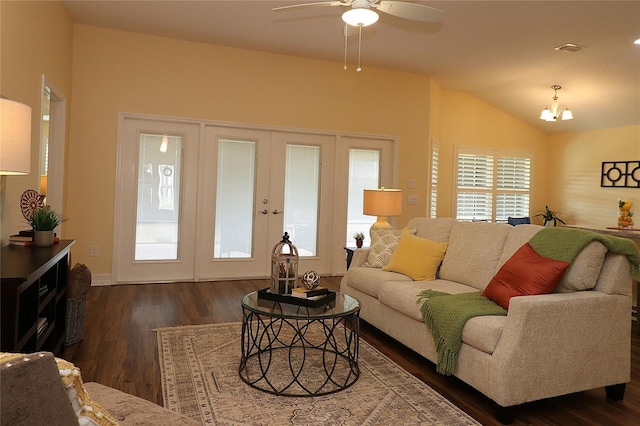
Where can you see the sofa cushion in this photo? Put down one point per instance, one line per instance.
(517, 237)
(432, 229)
(416, 257)
(484, 332)
(473, 252)
(383, 244)
(402, 296)
(31, 392)
(368, 280)
(525, 273)
(584, 270)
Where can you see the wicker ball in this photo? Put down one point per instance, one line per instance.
(311, 279)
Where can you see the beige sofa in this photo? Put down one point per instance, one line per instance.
(574, 339)
(34, 391)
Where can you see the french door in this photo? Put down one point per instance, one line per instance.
(156, 195)
(203, 202)
(264, 183)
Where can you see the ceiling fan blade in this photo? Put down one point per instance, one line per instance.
(416, 12)
(321, 3)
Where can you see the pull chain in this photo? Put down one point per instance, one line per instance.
(345, 46)
(359, 48)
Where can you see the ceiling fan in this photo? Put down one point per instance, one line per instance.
(361, 14)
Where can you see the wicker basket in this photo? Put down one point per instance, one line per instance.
(75, 319)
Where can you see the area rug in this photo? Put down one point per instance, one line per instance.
(199, 371)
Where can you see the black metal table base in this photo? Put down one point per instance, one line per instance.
(299, 357)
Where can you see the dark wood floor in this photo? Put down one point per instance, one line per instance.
(119, 350)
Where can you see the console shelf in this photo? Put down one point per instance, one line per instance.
(33, 297)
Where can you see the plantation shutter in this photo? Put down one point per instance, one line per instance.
(492, 185)
(433, 200)
(513, 185)
(475, 187)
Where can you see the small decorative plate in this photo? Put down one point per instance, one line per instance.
(29, 202)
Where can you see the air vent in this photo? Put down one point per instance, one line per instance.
(569, 47)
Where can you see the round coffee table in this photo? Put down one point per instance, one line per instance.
(293, 350)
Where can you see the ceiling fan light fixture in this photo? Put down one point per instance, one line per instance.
(360, 17)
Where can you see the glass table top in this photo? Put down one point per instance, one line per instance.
(343, 305)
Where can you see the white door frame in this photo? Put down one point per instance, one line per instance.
(125, 268)
(335, 199)
(57, 138)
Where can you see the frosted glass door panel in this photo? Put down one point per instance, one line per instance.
(235, 199)
(158, 206)
(302, 190)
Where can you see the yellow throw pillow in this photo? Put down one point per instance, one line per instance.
(416, 257)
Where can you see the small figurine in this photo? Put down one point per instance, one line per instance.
(310, 280)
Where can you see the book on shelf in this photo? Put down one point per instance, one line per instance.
(21, 243)
(306, 293)
(18, 237)
(43, 290)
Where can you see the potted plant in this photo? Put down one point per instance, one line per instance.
(550, 216)
(44, 221)
(359, 237)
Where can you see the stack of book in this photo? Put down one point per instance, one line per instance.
(313, 294)
(20, 240)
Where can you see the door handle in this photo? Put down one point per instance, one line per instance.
(274, 211)
(265, 211)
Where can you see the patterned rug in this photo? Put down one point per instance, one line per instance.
(199, 370)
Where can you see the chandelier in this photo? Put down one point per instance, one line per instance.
(554, 111)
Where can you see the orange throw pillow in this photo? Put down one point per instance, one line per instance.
(525, 273)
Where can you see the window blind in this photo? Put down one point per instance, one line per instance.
(492, 185)
(433, 200)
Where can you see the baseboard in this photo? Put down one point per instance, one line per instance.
(101, 280)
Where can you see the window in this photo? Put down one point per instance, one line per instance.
(433, 199)
(492, 185)
(364, 173)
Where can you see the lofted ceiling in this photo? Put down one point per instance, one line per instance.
(501, 52)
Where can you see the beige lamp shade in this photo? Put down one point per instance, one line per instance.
(15, 138)
(382, 203)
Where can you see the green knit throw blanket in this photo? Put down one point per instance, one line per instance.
(445, 315)
(565, 244)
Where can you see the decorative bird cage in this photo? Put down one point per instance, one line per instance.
(284, 264)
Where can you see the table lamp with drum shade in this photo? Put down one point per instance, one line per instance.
(382, 203)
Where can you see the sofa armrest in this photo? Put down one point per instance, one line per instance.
(359, 257)
(562, 342)
(132, 410)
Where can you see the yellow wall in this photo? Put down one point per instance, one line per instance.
(576, 160)
(116, 71)
(467, 121)
(35, 38)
